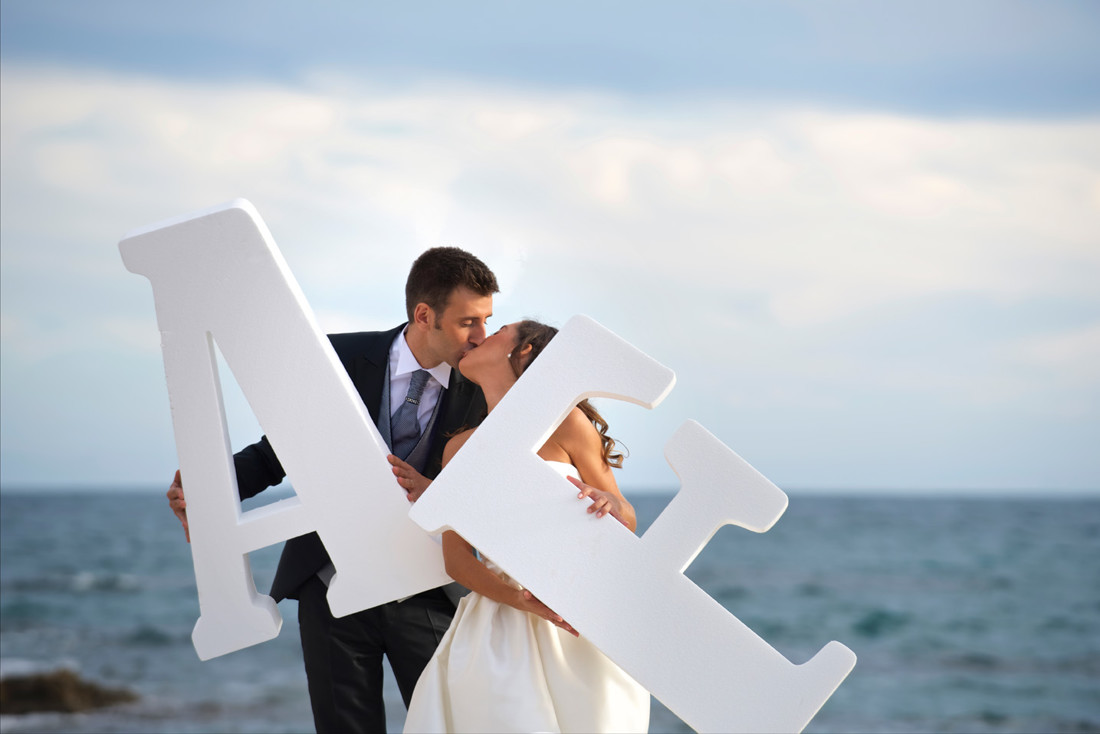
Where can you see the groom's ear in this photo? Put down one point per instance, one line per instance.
(422, 315)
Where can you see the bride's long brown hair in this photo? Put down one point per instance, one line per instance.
(538, 335)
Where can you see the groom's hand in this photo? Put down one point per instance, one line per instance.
(413, 482)
(178, 503)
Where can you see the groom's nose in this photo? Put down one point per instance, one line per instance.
(477, 333)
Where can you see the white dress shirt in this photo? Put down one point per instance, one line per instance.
(402, 365)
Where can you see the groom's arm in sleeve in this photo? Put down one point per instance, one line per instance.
(257, 468)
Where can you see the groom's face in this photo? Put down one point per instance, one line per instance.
(460, 326)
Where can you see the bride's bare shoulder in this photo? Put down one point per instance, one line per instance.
(576, 433)
(575, 427)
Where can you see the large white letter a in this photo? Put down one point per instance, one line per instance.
(217, 275)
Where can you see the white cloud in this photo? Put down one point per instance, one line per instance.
(730, 232)
(824, 212)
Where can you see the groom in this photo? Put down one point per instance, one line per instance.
(407, 381)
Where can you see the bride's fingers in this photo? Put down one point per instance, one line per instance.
(568, 628)
(601, 505)
(598, 497)
(557, 621)
(586, 490)
(548, 614)
(541, 609)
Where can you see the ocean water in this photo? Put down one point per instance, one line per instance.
(968, 615)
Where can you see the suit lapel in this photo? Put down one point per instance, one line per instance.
(366, 358)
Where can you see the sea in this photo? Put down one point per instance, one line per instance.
(966, 614)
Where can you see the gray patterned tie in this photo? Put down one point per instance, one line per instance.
(404, 428)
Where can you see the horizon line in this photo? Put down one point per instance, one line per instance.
(57, 488)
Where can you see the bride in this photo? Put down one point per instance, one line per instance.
(508, 663)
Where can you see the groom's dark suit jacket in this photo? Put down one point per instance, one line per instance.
(365, 355)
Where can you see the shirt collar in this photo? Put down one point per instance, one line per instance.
(407, 363)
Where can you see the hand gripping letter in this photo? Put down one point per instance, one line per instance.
(628, 595)
(218, 276)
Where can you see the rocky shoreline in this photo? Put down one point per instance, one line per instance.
(57, 691)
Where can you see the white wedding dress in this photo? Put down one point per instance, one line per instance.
(498, 669)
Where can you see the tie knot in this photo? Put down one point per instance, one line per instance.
(416, 385)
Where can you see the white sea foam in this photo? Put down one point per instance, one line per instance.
(94, 581)
(33, 722)
(10, 667)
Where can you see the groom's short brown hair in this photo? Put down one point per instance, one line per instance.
(438, 271)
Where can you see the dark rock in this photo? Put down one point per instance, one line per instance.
(59, 690)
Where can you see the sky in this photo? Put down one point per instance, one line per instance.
(865, 236)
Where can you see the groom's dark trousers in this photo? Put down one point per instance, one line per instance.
(343, 657)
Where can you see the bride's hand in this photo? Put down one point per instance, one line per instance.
(603, 502)
(531, 604)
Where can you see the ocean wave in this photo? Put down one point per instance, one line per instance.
(21, 612)
(25, 666)
(986, 662)
(23, 639)
(92, 581)
(81, 582)
(39, 722)
(150, 636)
(974, 661)
(880, 623)
(1064, 623)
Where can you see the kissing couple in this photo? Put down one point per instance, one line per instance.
(503, 661)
